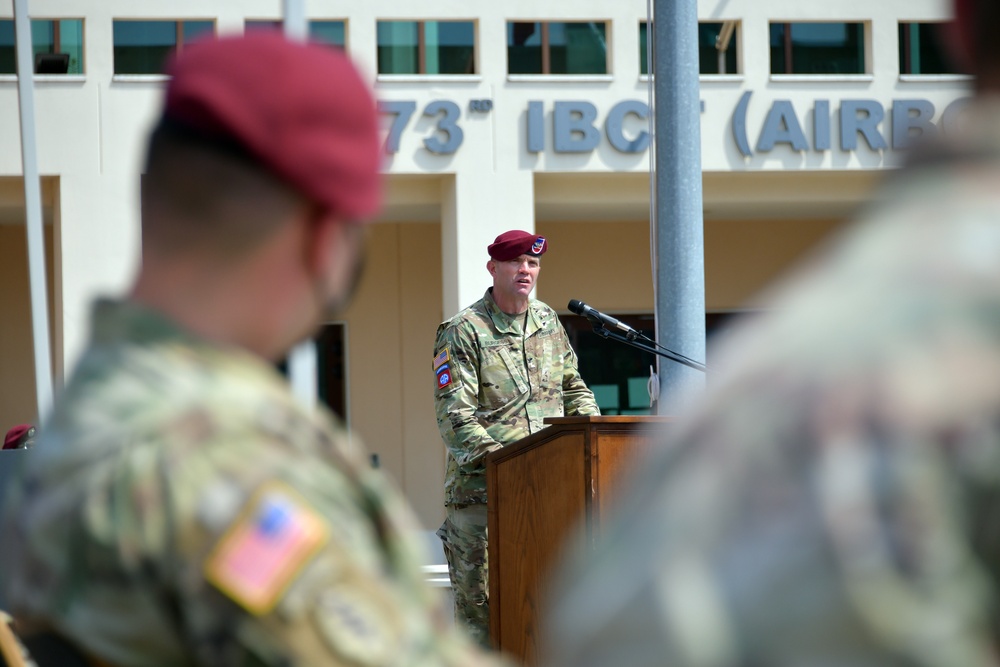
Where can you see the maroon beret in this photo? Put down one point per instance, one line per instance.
(18, 436)
(515, 243)
(301, 109)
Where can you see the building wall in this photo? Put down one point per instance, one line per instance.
(742, 257)
(763, 206)
(17, 367)
(390, 338)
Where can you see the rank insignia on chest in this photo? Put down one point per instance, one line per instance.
(266, 548)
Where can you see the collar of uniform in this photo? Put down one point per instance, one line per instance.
(117, 320)
(505, 323)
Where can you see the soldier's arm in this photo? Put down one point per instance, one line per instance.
(456, 395)
(577, 397)
(305, 564)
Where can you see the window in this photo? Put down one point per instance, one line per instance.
(920, 52)
(142, 47)
(557, 48)
(817, 48)
(331, 367)
(333, 33)
(717, 48)
(57, 45)
(426, 47)
(617, 374)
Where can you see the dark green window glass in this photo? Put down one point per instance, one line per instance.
(644, 48)
(57, 46)
(191, 30)
(524, 48)
(708, 52)
(258, 24)
(8, 63)
(398, 47)
(709, 61)
(450, 47)
(426, 47)
(142, 47)
(920, 52)
(817, 48)
(557, 48)
(333, 33)
(70, 42)
(578, 48)
(617, 374)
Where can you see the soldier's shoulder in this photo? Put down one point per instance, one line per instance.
(545, 314)
(542, 308)
(474, 317)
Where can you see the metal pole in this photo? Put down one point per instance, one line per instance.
(33, 210)
(680, 294)
(295, 24)
(302, 360)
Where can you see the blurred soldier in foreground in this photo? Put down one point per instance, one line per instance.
(834, 499)
(501, 366)
(181, 507)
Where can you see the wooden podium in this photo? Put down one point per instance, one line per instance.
(539, 489)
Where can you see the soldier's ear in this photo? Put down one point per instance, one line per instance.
(491, 266)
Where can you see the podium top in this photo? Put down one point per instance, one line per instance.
(556, 427)
(610, 419)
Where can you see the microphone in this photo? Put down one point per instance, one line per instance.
(597, 317)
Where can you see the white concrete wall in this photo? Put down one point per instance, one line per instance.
(91, 127)
(92, 130)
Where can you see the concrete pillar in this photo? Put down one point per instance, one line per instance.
(98, 269)
(487, 204)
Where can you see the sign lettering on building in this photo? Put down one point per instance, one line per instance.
(576, 127)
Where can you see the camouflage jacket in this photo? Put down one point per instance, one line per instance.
(181, 508)
(833, 499)
(497, 376)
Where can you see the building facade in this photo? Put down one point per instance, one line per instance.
(521, 114)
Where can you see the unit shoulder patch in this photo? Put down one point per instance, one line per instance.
(266, 548)
(443, 370)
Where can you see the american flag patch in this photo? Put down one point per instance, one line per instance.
(441, 358)
(267, 547)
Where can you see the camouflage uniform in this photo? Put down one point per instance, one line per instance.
(182, 509)
(833, 500)
(498, 376)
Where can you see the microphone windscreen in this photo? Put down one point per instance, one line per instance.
(576, 306)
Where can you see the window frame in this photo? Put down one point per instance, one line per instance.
(545, 46)
(906, 52)
(276, 24)
(56, 44)
(866, 60)
(421, 72)
(736, 42)
(177, 47)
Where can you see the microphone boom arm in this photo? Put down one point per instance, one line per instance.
(641, 344)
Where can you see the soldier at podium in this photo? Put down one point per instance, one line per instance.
(501, 366)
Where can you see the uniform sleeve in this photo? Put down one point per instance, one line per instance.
(577, 397)
(305, 565)
(865, 550)
(456, 395)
